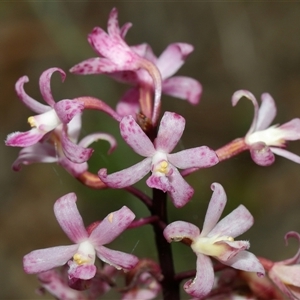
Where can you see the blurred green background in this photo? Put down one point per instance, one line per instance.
(253, 46)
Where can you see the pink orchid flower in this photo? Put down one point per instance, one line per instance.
(264, 141)
(54, 116)
(216, 240)
(87, 243)
(116, 55)
(159, 161)
(286, 274)
(172, 58)
(50, 150)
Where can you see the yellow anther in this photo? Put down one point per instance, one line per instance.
(79, 259)
(163, 167)
(110, 217)
(31, 122)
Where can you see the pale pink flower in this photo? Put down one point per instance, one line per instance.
(263, 140)
(216, 240)
(87, 244)
(163, 165)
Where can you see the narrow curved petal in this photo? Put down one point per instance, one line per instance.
(135, 137)
(246, 261)
(39, 152)
(291, 130)
(178, 230)
(73, 152)
(170, 131)
(181, 191)
(67, 109)
(296, 258)
(69, 218)
(173, 58)
(24, 139)
(124, 29)
(127, 176)
(266, 112)
(215, 208)
(200, 157)
(45, 86)
(45, 259)
(287, 154)
(234, 224)
(111, 227)
(32, 104)
(94, 137)
(243, 93)
(183, 87)
(262, 154)
(119, 260)
(202, 284)
(129, 103)
(113, 27)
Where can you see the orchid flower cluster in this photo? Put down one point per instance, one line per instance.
(88, 268)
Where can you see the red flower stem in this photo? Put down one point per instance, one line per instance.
(140, 195)
(170, 287)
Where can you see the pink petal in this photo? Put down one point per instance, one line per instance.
(73, 152)
(234, 224)
(135, 137)
(232, 249)
(246, 261)
(170, 131)
(24, 139)
(127, 176)
(39, 152)
(124, 29)
(288, 274)
(202, 284)
(291, 130)
(266, 112)
(159, 182)
(96, 65)
(113, 27)
(215, 208)
(119, 260)
(111, 227)
(287, 154)
(84, 271)
(69, 218)
(181, 191)
(129, 103)
(262, 154)
(45, 86)
(178, 230)
(32, 104)
(183, 87)
(67, 109)
(173, 58)
(45, 259)
(243, 93)
(200, 157)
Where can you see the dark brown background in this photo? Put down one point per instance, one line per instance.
(250, 45)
